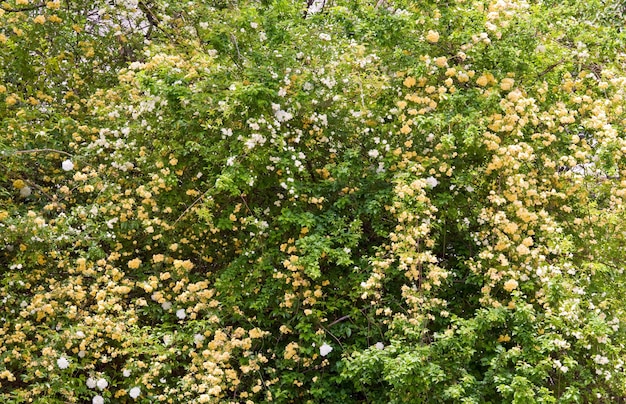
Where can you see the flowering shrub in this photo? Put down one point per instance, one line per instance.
(243, 202)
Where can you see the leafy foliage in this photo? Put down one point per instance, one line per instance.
(242, 201)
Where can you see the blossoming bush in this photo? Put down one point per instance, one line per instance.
(246, 202)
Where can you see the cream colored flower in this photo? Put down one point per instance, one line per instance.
(510, 285)
(432, 36)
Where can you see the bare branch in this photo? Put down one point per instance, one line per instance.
(191, 206)
(36, 151)
(22, 9)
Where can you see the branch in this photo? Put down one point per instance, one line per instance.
(340, 319)
(20, 10)
(191, 206)
(234, 41)
(36, 151)
(551, 67)
(152, 19)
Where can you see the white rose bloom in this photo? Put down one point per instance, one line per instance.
(25, 191)
(134, 392)
(67, 165)
(432, 182)
(102, 384)
(63, 363)
(325, 349)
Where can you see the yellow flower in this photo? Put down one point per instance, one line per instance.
(510, 285)
(432, 36)
(482, 81)
(11, 100)
(3, 38)
(186, 264)
(3, 214)
(134, 264)
(510, 228)
(19, 184)
(409, 82)
(40, 19)
(507, 84)
(256, 333)
(504, 338)
(522, 250)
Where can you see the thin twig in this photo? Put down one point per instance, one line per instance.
(246, 203)
(550, 68)
(340, 319)
(192, 205)
(234, 41)
(37, 151)
(332, 335)
(22, 9)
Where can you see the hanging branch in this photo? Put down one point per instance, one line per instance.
(36, 151)
(20, 10)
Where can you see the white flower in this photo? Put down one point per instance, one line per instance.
(380, 345)
(325, 349)
(283, 116)
(63, 363)
(180, 313)
(373, 153)
(102, 384)
(432, 182)
(316, 6)
(126, 373)
(98, 400)
(601, 360)
(67, 165)
(166, 305)
(325, 37)
(91, 383)
(137, 65)
(167, 339)
(25, 191)
(134, 392)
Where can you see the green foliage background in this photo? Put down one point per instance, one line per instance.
(200, 199)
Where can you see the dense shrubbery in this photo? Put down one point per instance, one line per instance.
(239, 202)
